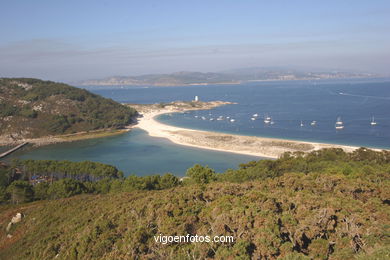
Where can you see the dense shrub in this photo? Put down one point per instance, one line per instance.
(324, 205)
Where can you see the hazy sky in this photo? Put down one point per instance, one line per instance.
(72, 40)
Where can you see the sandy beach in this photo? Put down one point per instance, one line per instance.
(249, 145)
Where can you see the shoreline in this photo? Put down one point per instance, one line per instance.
(264, 147)
(65, 138)
(47, 140)
(248, 145)
(238, 82)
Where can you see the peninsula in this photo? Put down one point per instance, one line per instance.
(249, 145)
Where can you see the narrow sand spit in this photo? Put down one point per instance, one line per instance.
(249, 145)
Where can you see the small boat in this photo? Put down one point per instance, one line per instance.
(196, 116)
(203, 118)
(272, 122)
(232, 120)
(227, 117)
(255, 115)
(267, 120)
(253, 118)
(373, 122)
(211, 119)
(339, 124)
(302, 123)
(313, 123)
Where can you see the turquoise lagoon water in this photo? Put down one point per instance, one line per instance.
(136, 153)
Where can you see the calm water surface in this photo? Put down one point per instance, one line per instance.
(288, 103)
(137, 153)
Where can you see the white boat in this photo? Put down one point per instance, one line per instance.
(373, 122)
(255, 115)
(253, 118)
(196, 116)
(313, 123)
(227, 117)
(220, 118)
(203, 118)
(339, 124)
(267, 120)
(272, 122)
(302, 123)
(211, 119)
(232, 120)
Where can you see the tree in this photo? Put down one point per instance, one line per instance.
(168, 180)
(40, 191)
(103, 186)
(65, 188)
(20, 191)
(201, 174)
(3, 194)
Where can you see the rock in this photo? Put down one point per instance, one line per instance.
(9, 227)
(17, 218)
(9, 236)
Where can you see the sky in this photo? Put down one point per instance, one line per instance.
(68, 40)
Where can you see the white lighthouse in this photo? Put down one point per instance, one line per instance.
(196, 99)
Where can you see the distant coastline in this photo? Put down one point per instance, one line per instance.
(233, 77)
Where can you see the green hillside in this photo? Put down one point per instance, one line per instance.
(324, 205)
(31, 108)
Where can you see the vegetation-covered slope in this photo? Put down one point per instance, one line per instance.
(31, 108)
(323, 205)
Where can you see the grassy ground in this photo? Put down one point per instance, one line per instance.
(92, 134)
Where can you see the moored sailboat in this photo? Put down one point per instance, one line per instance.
(373, 122)
(339, 124)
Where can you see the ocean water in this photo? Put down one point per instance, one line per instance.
(288, 103)
(136, 153)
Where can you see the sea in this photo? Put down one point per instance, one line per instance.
(298, 110)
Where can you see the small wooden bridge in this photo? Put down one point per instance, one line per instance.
(2, 155)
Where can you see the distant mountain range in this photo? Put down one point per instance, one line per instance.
(226, 77)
